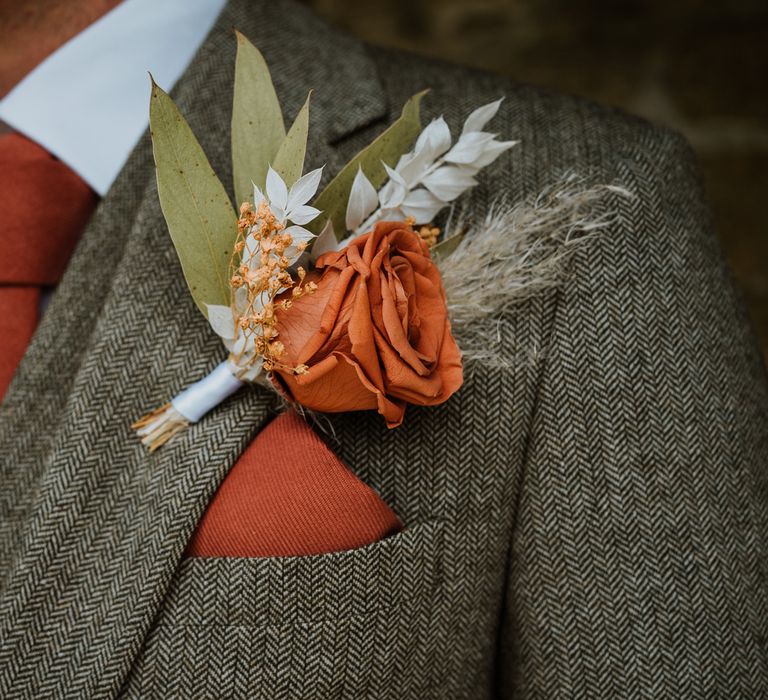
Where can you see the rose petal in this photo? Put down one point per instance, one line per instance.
(395, 333)
(375, 334)
(335, 388)
(361, 336)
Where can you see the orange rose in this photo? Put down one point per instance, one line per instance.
(375, 334)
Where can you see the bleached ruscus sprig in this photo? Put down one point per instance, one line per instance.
(271, 239)
(430, 176)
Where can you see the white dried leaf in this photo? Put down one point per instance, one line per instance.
(362, 201)
(240, 346)
(432, 142)
(435, 139)
(422, 205)
(252, 373)
(481, 116)
(395, 214)
(469, 147)
(421, 183)
(449, 182)
(412, 166)
(258, 196)
(302, 215)
(491, 151)
(391, 196)
(249, 251)
(277, 192)
(242, 349)
(387, 193)
(299, 235)
(303, 190)
(325, 242)
(247, 370)
(241, 299)
(222, 320)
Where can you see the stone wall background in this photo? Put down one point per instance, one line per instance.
(699, 67)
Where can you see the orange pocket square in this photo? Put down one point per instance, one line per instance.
(290, 495)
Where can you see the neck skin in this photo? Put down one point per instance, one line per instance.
(31, 30)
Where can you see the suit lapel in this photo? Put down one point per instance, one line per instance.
(93, 526)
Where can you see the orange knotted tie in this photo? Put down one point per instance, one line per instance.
(43, 208)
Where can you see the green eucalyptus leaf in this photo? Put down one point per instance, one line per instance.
(196, 207)
(289, 161)
(388, 147)
(442, 250)
(257, 122)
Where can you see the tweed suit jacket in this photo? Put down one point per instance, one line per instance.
(588, 521)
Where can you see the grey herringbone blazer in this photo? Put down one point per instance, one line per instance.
(588, 522)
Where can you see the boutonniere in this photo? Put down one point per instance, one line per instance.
(348, 298)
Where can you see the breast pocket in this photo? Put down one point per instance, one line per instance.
(354, 624)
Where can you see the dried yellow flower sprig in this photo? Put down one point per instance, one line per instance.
(260, 266)
(429, 234)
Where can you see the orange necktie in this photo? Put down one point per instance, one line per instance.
(43, 208)
(287, 495)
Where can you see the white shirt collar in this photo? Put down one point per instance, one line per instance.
(88, 102)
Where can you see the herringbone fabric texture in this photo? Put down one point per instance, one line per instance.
(588, 521)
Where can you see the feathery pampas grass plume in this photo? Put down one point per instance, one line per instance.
(515, 252)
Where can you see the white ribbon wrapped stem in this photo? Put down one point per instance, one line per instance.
(195, 401)
(159, 426)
